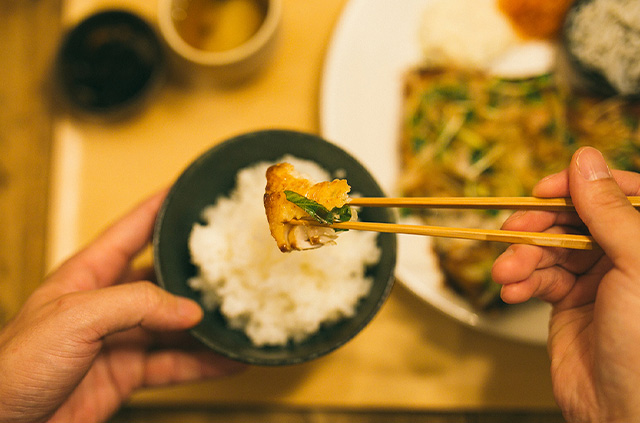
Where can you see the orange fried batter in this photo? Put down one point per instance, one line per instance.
(280, 211)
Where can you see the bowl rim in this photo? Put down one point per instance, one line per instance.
(255, 43)
(198, 331)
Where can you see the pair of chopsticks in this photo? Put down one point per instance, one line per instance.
(572, 241)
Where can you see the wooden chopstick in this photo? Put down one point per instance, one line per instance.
(572, 241)
(578, 242)
(494, 203)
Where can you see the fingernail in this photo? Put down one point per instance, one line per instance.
(504, 255)
(591, 165)
(546, 178)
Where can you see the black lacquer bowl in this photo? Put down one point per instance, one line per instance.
(213, 175)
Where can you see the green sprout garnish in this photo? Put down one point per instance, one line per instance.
(318, 211)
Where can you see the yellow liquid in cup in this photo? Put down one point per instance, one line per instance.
(218, 25)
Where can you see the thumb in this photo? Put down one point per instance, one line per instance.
(602, 205)
(113, 309)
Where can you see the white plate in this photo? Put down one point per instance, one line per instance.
(374, 43)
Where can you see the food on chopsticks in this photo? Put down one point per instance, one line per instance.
(275, 298)
(467, 133)
(291, 196)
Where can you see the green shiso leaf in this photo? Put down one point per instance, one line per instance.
(318, 211)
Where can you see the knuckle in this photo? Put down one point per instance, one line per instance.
(65, 304)
(607, 197)
(145, 290)
(148, 294)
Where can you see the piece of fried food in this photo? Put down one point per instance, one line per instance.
(280, 211)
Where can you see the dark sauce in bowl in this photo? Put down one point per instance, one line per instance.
(109, 62)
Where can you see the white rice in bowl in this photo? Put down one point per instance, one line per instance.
(275, 297)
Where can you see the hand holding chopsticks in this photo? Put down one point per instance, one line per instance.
(573, 241)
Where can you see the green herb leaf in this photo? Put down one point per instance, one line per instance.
(318, 211)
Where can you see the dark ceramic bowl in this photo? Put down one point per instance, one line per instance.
(213, 175)
(109, 63)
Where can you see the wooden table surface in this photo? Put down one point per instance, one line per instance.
(59, 187)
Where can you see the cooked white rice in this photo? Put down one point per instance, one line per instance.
(275, 297)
